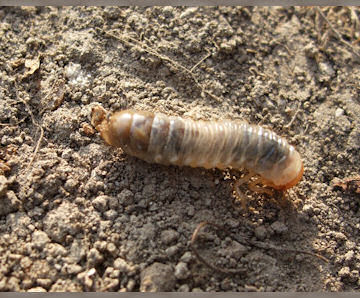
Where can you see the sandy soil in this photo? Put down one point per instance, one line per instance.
(77, 215)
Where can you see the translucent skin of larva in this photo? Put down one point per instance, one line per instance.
(210, 144)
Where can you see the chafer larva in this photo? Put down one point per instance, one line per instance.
(171, 140)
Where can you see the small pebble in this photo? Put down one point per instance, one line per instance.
(339, 112)
(44, 282)
(279, 227)
(110, 214)
(169, 236)
(186, 257)
(94, 257)
(73, 268)
(237, 250)
(123, 266)
(39, 239)
(130, 285)
(326, 68)
(184, 288)
(126, 197)
(172, 251)
(100, 203)
(3, 185)
(344, 272)
(349, 256)
(157, 277)
(260, 232)
(182, 271)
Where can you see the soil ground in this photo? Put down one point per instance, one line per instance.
(77, 215)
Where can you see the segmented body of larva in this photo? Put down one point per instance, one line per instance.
(155, 137)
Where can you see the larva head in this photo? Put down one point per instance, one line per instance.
(116, 128)
(129, 130)
(286, 174)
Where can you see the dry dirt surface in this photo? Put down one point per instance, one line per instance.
(77, 215)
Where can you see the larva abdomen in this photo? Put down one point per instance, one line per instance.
(209, 144)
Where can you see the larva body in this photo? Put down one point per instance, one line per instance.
(210, 144)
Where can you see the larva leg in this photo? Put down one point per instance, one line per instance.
(254, 186)
(277, 197)
(238, 193)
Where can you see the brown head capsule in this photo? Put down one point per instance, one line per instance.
(210, 144)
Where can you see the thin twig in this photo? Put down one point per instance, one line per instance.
(282, 249)
(294, 117)
(337, 33)
(165, 58)
(195, 251)
(201, 61)
(15, 124)
(37, 147)
(244, 240)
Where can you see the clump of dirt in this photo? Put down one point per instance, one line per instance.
(77, 215)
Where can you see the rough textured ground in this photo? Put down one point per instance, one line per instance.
(76, 215)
